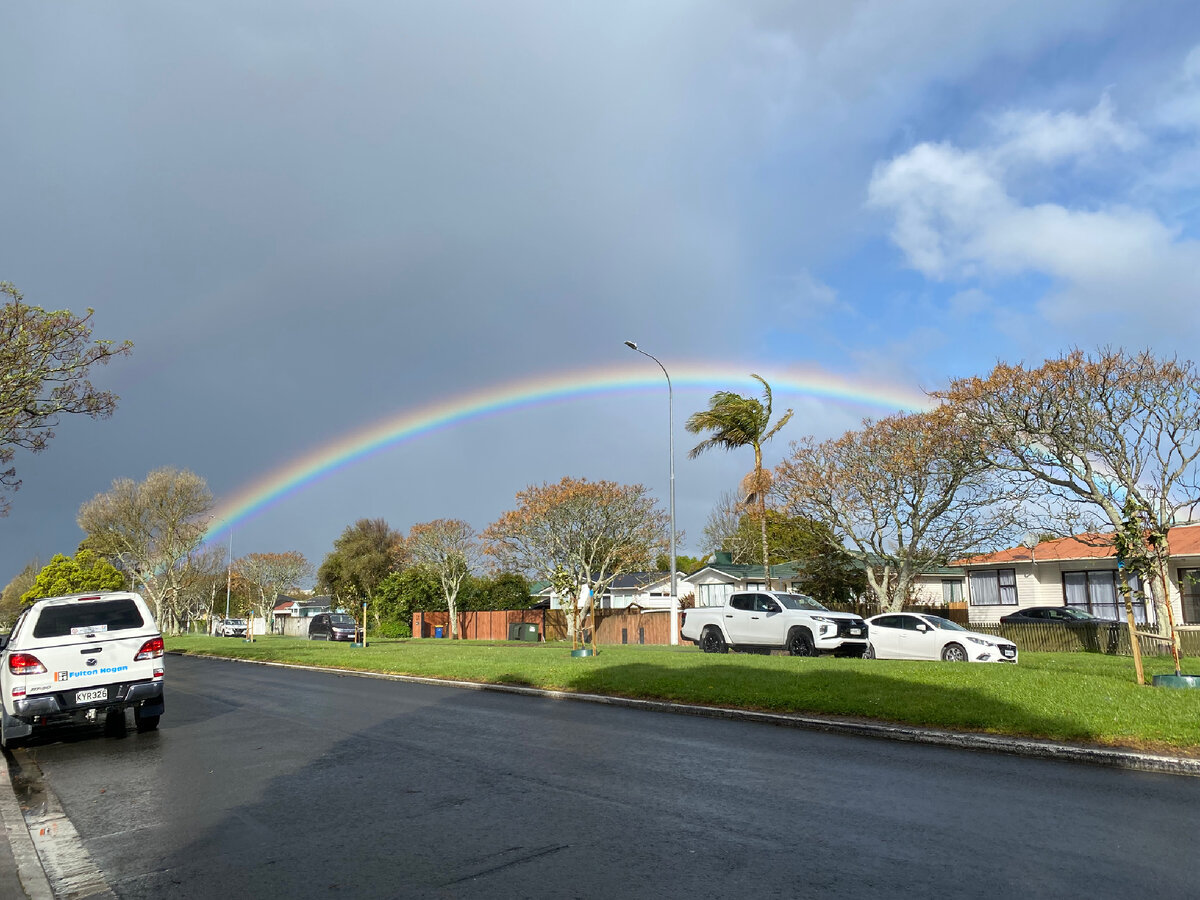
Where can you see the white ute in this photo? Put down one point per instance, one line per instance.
(80, 657)
(774, 620)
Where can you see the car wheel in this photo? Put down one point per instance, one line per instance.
(144, 723)
(869, 653)
(800, 643)
(954, 653)
(712, 642)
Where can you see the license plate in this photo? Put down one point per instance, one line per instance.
(91, 696)
(856, 631)
(1008, 651)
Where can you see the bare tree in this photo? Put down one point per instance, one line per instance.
(1100, 430)
(448, 549)
(45, 358)
(156, 526)
(579, 532)
(908, 492)
(266, 575)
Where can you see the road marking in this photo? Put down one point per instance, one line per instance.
(67, 864)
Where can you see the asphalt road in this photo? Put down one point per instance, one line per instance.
(266, 782)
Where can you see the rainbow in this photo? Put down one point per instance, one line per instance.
(394, 429)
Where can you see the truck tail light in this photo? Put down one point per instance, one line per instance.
(25, 664)
(152, 649)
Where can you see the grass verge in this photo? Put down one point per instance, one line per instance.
(1077, 697)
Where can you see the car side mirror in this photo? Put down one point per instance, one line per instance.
(922, 627)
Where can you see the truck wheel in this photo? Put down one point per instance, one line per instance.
(712, 642)
(800, 643)
(144, 723)
(954, 653)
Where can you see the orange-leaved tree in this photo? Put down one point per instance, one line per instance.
(588, 531)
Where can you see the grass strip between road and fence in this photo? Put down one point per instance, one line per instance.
(1075, 697)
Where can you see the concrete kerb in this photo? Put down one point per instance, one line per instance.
(962, 740)
(27, 877)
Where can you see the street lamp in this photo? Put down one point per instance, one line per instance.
(671, 426)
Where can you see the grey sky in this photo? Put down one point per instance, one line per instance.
(308, 216)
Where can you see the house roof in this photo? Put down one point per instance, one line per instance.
(1184, 540)
(748, 570)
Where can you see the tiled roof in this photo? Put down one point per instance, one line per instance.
(1184, 540)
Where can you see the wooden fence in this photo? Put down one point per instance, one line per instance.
(613, 626)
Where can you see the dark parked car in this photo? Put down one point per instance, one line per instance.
(1050, 615)
(334, 627)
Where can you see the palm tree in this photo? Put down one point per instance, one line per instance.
(736, 421)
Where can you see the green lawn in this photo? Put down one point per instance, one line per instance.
(1068, 696)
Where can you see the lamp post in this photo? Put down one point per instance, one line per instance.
(671, 426)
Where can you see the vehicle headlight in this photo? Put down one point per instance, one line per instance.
(822, 619)
(981, 642)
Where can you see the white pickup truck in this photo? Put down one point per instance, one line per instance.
(80, 658)
(774, 620)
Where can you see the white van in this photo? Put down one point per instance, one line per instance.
(80, 657)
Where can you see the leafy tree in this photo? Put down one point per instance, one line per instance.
(266, 575)
(503, 590)
(586, 532)
(10, 598)
(404, 593)
(908, 491)
(830, 573)
(685, 564)
(72, 575)
(1097, 430)
(363, 556)
(156, 528)
(45, 359)
(447, 548)
(735, 422)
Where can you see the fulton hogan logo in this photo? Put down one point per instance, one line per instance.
(107, 670)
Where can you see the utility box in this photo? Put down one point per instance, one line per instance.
(527, 631)
(514, 631)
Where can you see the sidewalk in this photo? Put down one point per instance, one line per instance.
(21, 874)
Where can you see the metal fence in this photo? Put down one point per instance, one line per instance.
(1088, 637)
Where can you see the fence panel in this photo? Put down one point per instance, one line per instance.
(1108, 637)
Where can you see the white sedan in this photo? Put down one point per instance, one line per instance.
(918, 636)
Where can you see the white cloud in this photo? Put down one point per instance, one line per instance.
(1046, 138)
(955, 217)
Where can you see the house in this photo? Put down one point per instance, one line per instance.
(1081, 572)
(644, 590)
(713, 583)
(289, 607)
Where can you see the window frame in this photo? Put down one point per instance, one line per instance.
(1139, 595)
(1000, 587)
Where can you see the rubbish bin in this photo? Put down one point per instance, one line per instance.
(439, 631)
(514, 631)
(527, 631)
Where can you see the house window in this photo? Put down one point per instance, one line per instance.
(712, 594)
(951, 590)
(998, 588)
(1099, 594)
(1189, 595)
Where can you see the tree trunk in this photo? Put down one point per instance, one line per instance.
(762, 513)
(1127, 596)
